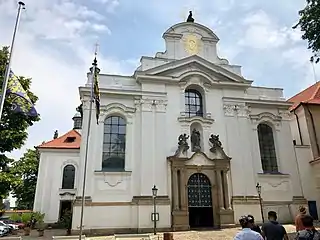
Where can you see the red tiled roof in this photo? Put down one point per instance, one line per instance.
(310, 95)
(70, 140)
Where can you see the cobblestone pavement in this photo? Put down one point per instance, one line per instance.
(223, 234)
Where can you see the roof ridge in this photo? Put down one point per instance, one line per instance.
(316, 92)
(72, 131)
(301, 92)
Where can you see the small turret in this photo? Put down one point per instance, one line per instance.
(77, 121)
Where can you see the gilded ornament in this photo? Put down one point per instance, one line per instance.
(192, 44)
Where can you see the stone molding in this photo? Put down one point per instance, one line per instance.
(244, 200)
(266, 117)
(148, 104)
(299, 200)
(248, 200)
(236, 110)
(136, 200)
(111, 231)
(286, 115)
(205, 121)
(116, 108)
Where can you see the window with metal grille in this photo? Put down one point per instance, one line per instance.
(267, 149)
(193, 103)
(68, 177)
(114, 144)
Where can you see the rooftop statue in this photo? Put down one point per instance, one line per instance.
(190, 18)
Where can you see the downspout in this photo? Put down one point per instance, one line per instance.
(314, 130)
(298, 168)
(299, 128)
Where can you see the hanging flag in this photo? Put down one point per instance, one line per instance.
(96, 92)
(19, 98)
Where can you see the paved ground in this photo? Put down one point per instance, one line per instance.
(224, 234)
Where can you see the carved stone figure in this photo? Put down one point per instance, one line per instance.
(190, 18)
(214, 140)
(195, 140)
(182, 144)
(55, 135)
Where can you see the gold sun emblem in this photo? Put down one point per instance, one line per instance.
(191, 44)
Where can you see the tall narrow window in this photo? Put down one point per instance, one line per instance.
(193, 103)
(68, 177)
(114, 144)
(267, 149)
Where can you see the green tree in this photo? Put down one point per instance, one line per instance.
(13, 128)
(25, 173)
(309, 23)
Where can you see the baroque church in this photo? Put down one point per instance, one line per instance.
(186, 122)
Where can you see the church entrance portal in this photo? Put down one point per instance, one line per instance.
(200, 201)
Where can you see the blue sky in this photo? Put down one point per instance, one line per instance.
(56, 38)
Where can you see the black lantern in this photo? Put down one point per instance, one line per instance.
(258, 187)
(154, 191)
(154, 214)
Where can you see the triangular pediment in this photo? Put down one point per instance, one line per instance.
(194, 65)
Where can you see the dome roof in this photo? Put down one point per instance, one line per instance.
(77, 115)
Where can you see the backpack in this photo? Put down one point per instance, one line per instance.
(308, 235)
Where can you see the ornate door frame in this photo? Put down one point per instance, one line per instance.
(180, 174)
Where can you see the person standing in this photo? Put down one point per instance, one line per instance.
(246, 233)
(272, 230)
(309, 232)
(254, 227)
(298, 222)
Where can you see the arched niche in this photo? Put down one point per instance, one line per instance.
(196, 126)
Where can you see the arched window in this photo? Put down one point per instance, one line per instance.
(114, 144)
(267, 149)
(68, 177)
(193, 103)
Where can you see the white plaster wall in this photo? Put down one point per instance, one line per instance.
(308, 173)
(99, 217)
(244, 209)
(49, 183)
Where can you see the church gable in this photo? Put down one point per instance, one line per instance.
(70, 140)
(195, 65)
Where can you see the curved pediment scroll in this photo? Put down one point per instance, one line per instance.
(116, 108)
(216, 149)
(267, 117)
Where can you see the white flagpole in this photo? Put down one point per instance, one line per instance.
(94, 65)
(7, 73)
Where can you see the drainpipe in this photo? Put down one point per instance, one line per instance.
(314, 130)
(299, 128)
(298, 168)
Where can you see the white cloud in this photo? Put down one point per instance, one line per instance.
(263, 33)
(45, 33)
(299, 58)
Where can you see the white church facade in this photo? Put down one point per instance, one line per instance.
(187, 122)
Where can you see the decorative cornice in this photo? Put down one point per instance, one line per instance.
(266, 117)
(116, 108)
(205, 121)
(285, 114)
(148, 104)
(236, 109)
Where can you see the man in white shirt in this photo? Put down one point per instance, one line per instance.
(246, 233)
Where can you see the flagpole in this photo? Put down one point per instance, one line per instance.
(7, 73)
(94, 65)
